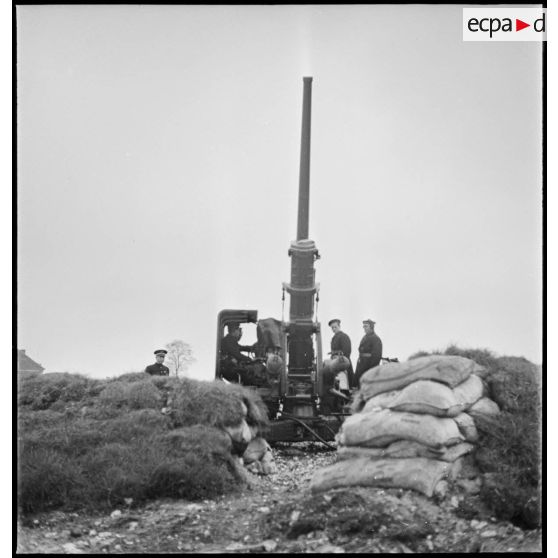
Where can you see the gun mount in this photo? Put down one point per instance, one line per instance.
(299, 402)
(304, 362)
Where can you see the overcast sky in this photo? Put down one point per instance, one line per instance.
(158, 158)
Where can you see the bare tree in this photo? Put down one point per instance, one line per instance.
(179, 356)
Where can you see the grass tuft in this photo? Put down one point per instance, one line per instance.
(91, 444)
(41, 392)
(216, 404)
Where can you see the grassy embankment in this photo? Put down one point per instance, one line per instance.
(509, 449)
(95, 443)
(86, 443)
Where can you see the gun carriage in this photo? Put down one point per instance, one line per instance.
(288, 371)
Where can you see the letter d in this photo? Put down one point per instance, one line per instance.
(542, 21)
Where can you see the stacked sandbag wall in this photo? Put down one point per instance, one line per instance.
(412, 425)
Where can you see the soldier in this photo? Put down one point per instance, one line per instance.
(369, 350)
(233, 362)
(158, 369)
(340, 342)
(230, 346)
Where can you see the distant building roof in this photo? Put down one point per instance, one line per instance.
(26, 364)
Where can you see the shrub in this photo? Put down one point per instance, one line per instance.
(484, 357)
(144, 395)
(29, 420)
(135, 424)
(513, 441)
(116, 471)
(40, 392)
(189, 478)
(197, 464)
(115, 394)
(166, 386)
(166, 383)
(84, 443)
(47, 479)
(44, 429)
(141, 394)
(196, 402)
(99, 411)
(515, 385)
(130, 377)
(216, 404)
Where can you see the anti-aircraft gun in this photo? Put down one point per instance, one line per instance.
(288, 370)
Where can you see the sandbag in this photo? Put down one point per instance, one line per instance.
(381, 401)
(484, 406)
(241, 436)
(382, 427)
(447, 369)
(426, 397)
(405, 449)
(466, 426)
(457, 451)
(256, 449)
(467, 393)
(258, 457)
(396, 450)
(422, 397)
(417, 473)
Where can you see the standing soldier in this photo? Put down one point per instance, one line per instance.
(341, 342)
(369, 350)
(158, 369)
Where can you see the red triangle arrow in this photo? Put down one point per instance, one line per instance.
(519, 25)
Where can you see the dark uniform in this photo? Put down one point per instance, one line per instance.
(245, 369)
(157, 369)
(231, 348)
(370, 354)
(342, 342)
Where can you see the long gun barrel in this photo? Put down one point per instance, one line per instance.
(304, 176)
(302, 288)
(303, 251)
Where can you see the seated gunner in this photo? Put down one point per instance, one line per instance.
(234, 364)
(231, 354)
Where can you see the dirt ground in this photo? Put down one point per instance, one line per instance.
(278, 514)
